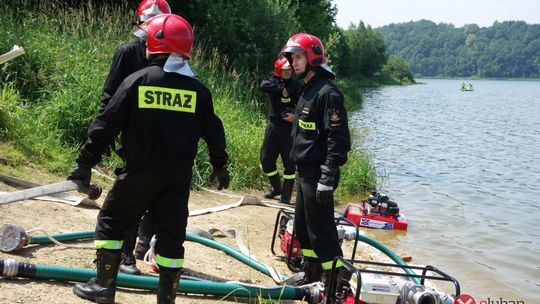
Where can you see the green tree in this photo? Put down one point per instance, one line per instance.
(316, 17)
(398, 68)
(366, 51)
(249, 33)
(505, 49)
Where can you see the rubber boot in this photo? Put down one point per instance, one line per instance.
(288, 185)
(275, 189)
(146, 231)
(312, 271)
(102, 288)
(127, 262)
(168, 285)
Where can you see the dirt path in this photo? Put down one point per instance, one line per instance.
(253, 222)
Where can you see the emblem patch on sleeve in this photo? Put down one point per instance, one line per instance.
(334, 118)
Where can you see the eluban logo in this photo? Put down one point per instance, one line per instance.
(467, 299)
(464, 299)
(500, 301)
(167, 99)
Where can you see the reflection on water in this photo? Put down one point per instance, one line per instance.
(464, 167)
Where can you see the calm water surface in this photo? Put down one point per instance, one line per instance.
(464, 167)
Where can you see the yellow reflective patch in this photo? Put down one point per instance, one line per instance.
(108, 244)
(285, 100)
(306, 125)
(271, 173)
(329, 265)
(170, 263)
(310, 253)
(167, 99)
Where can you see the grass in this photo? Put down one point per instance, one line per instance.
(49, 96)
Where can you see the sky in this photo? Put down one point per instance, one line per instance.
(458, 12)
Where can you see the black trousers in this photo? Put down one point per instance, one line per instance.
(164, 194)
(313, 222)
(277, 142)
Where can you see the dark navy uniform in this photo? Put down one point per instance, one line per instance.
(161, 117)
(320, 137)
(277, 137)
(128, 59)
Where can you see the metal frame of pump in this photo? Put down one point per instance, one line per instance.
(280, 226)
(335, 296)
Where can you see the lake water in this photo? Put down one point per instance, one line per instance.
(464, 167)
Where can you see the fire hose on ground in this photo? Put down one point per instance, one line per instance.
(230, 251)
(11, 268)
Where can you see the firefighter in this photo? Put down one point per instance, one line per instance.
(130, 58)
(321, 141)
(162, 111)
(283, 92)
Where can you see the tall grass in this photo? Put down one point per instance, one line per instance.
(49, 96)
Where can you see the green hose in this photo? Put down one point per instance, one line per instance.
(232, 252)
(151, 283)
(388, 252)
(61, 273)
(189, 237)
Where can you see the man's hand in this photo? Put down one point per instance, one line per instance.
(222, 175)
(324, 194)
(289, 117)
(83, 174)
(325, 186)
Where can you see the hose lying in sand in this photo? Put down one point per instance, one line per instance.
(236, 254)
(10, 268)
(189, 237)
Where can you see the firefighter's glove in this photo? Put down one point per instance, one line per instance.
(82, 174)
(222, 176)
(325, 194)
(325, 186)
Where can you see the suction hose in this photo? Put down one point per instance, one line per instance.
(388, 252)
(230, 251)
(189, 237)
(10, 268)
(234, 253)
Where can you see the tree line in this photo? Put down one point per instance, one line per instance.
(250, 33)
(509, 49)
(49, 96)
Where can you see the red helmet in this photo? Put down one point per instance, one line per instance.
(314, 50)
(168, 33)
(150, 8)
(311, 45)
(281, 64)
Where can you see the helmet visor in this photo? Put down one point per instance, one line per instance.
(150, 12)
(140, 33)
(286, 66)
(292, 49)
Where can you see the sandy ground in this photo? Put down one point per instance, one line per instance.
(255, 223)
